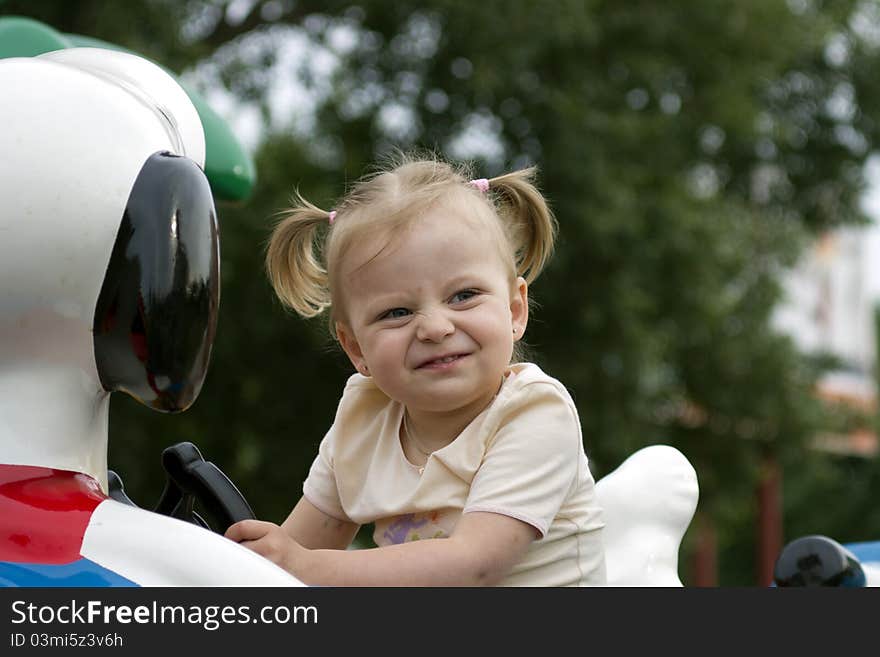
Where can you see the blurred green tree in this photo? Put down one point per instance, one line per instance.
(690, 151)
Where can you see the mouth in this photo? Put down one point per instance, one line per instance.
(441, 362)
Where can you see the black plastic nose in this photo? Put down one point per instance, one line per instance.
(156, 314)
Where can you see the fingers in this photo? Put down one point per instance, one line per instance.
(249, 530)
(265, 538)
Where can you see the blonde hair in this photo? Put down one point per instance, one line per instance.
(305, 249)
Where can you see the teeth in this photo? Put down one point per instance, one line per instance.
(448, 359)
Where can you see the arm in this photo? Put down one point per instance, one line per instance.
(314, 529)
(481, 552)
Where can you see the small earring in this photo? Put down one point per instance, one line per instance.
(514, 331)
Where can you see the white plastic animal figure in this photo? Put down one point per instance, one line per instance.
(648, 502)
(109, 280)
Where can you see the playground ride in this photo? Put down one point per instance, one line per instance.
(109, 262)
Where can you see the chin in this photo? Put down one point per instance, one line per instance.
(446, 401)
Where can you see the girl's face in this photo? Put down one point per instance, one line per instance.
(432, 317)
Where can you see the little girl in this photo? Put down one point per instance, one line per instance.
(470, 464)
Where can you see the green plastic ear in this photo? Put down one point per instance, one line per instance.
(230, 170)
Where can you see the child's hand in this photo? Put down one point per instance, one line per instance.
(268, 540)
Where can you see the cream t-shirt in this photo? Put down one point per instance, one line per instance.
(522, 457)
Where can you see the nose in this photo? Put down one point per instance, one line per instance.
(434, 326)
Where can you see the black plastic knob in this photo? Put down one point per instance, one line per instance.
(817, 561)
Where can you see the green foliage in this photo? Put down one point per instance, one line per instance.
(690, 151)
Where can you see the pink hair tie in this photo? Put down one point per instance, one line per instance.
(331, 217)
(480, 183)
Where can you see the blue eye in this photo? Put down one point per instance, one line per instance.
(394, 313)
(464, 295)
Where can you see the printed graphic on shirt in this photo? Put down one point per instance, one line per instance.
(414, 527)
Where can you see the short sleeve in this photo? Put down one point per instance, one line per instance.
(320, 487)
(532, 463)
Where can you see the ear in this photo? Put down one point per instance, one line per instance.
(351, 347)
(519, 307)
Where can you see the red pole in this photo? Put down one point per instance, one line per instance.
(769, 542)
(705, 560)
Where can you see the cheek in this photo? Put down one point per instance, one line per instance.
(492, 324)
(386, 348)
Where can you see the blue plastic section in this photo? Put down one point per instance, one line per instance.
(866, 552)
(76, 573)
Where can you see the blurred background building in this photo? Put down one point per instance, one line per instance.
(831, 308)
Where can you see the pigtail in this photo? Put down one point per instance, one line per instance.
(294, 268)
(528, 219)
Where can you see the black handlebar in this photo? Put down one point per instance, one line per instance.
(193, 479)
